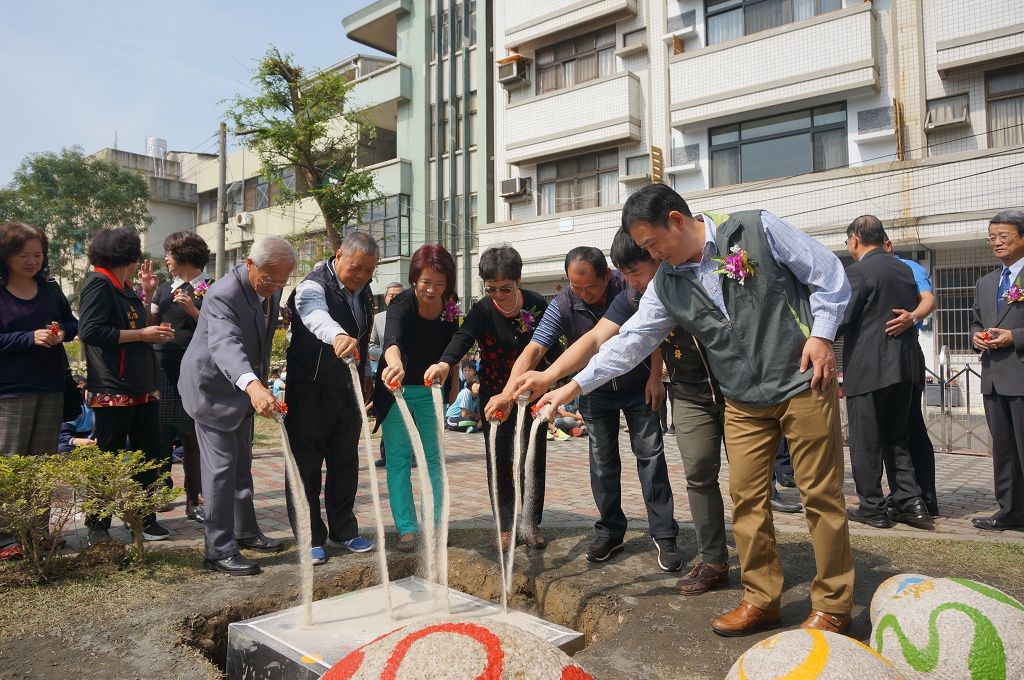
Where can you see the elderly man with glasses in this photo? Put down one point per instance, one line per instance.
(222, 385)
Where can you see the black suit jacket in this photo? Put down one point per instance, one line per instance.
(872, 360)
(1002, 370)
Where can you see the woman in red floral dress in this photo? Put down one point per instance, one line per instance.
(502, 323)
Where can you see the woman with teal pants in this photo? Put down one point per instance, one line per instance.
(419, 324)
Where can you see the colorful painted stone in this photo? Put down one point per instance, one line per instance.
(453, 650)
(948, 628)
(810, 654)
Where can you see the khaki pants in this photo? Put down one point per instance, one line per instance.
(810, 423)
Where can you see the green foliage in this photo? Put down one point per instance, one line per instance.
(70, 196)
(109, 486)
(279, 347)
(303, 122)
(40, 494)
(37, 492)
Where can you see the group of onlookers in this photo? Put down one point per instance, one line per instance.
(732, 315)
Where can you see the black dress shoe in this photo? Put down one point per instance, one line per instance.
(876, 521)
(786, 480)
(261, 543)
(915, 513)
(236, 565)
(780, 505)
(994, 524)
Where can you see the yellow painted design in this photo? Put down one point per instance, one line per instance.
(916, 590)
(873, 652)
(311, 658)
(679, 354)
(811, 667)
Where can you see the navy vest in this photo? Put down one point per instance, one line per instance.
(309, 359)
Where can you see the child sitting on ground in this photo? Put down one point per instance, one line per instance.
(464, 413)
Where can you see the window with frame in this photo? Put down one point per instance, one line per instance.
(387, 221)
(441, 109)
(586, 181)
(796, 143)
(288, 180)
(638, 165)
(381, 146)
(207, 205)
(1004, 99)
(576, 61)
(730, 19)
(256, 193)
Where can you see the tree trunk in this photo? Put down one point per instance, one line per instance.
(333, 235)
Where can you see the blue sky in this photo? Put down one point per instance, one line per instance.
(74, 72)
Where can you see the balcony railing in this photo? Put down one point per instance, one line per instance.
(970, 32)
(534, 22)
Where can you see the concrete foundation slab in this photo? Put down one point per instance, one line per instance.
(280, 645)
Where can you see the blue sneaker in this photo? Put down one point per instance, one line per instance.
(319, 556)
(356, 545)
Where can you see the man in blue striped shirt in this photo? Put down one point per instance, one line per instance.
(765, 300)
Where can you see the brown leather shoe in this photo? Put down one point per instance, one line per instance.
(534, 538)
(833, 623)
(744, 620)
(703, 578)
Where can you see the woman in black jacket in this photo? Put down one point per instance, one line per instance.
(122, 369)
(177, 302)
(502, 323)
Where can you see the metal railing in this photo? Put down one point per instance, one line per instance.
(957, 422)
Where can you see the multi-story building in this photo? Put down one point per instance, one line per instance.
(252, 202)
(818, 110)
(443, 72)
(172, 199)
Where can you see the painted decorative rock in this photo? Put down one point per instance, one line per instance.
(809, 654)
(948, 628)
(452, 650)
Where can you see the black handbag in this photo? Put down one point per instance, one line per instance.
(72, 397)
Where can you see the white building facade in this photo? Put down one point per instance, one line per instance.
(817, 110)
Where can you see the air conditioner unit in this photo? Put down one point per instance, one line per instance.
(515, 188)
(514, 74)
(243, 219)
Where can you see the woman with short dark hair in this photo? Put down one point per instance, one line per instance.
(32, 360)
(177, 302)
(419, 324)
(501, 323)
(122, 369)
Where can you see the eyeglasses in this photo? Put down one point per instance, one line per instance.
(1003, 237)
(504, 290)
(267, 281)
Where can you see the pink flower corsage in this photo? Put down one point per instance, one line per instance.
(199, 290)
(1014, 294)
(737, 265)
(451, 311)
(139, 291)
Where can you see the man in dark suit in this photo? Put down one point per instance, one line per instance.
(997, 331)
(332, 316)
(222, 384)
(880, 374)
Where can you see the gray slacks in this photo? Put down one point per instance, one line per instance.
(699, 436)
(226, 461)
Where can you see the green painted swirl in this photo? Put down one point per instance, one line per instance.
(986, 660)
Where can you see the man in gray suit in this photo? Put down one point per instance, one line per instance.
(997, 331)
(222, 385)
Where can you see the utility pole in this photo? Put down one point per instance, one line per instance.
(222, 191)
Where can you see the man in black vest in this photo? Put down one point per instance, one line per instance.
(636, 394)
(332, 315)
(881, 372)
(997, 331)
(765, 300)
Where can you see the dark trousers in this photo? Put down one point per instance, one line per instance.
(666, 412)
(783, 462)
(324, 424)
(922, 453)
(878, 431)
(1005, 416)
(505, 488)
(600, 411)
(130, 428)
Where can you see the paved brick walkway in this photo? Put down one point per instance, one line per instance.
(964, 487)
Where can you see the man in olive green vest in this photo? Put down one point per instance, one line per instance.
(765, 300)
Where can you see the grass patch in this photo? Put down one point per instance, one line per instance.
(65, 606)
(267, 434)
